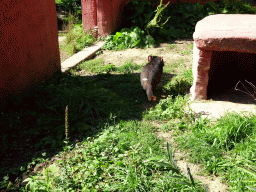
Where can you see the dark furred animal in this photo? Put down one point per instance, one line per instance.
(151, 74)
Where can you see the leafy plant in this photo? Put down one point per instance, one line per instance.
(45, 182)
(230, 7)
(184, 16)
(128, 38)
(139, 13)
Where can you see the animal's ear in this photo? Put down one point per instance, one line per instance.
(149, 58)
(162, 60)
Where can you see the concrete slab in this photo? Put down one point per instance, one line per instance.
(216, 109)
(80, 57)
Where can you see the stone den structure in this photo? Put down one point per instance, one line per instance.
(224, 53)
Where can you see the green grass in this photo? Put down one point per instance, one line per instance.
(128, 68)
(108, 141)
(169, 108)
(76, 39)
(225, 147)
(97, 66)
(172, 46)
(109, 144)
(117, 160)
(93, 66)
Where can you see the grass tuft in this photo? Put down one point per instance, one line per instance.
(76, 39)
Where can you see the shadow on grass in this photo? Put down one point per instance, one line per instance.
(34, 123)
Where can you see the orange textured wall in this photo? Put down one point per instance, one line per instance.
(29, 51)
(106, 14)
(89, 14)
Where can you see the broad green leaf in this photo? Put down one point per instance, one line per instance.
(115, 38)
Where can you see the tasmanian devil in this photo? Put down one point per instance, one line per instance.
(151, 75)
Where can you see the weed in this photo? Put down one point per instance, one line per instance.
(180, 84)
(157, 18)
(98, 66)
(186, 52)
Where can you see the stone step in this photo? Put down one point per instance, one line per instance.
(81, 56)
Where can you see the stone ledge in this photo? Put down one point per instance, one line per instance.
(232, 32)
(80, 56)
(221, 32)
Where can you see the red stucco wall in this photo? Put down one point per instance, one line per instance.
(29, 51)
(89, 14)
(106, 14)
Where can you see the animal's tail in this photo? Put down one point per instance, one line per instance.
(149, 93)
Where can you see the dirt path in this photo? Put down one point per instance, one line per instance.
(212, 182)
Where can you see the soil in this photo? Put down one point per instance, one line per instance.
(140, 56)
(174, 56)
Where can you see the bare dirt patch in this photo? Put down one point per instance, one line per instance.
(172, 52)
